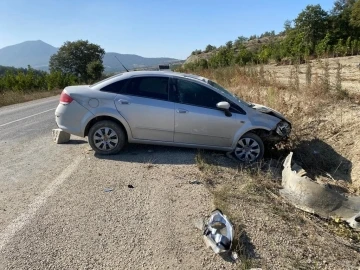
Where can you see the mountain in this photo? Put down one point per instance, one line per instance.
(37, 54)
(34, 53)
(132, 61)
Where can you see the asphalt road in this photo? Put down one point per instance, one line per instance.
(62, 207)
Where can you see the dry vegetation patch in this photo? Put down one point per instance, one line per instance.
(325, 137)
(271, 233)
(14, 97)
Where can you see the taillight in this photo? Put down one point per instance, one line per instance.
(65, 98)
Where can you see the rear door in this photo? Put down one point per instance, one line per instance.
(145, 105)
(198, 120)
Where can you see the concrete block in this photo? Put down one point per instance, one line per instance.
(60, 136)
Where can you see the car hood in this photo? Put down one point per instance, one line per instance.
(267, 110)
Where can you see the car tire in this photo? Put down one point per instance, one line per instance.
(106, 137)
(250, 148)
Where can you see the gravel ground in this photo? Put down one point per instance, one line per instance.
(62, 207)
(84, 225)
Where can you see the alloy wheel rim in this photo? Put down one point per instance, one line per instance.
(247, 150)
(105, 139)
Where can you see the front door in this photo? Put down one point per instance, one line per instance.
(197, 119)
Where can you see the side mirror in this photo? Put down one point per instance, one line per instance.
(224, 106)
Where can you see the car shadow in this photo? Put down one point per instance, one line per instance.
(243, 247)
(321, 159)
(317, 158)
(77, 142)
(154, 154)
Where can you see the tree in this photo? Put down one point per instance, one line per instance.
(196, 52)
(341, 5)
(74, 58)
(313, 23)
(355, 15)
(339, 21)
(348, 46)
(243, 57)
(209, 48)
(287, 26)
(354, 47)
(203, 63)
(340, 49)
(223, 58)
(268, 34)
(238, 43)
(229, 44)
(264, 54)
(95, 70)
(322, 47)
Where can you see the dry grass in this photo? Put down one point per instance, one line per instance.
(320, 114)
(271, 233)
(350, 71)
(12, 97)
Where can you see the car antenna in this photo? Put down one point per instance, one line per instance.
(121, 63)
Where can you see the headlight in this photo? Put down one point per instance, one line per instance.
(283, 129)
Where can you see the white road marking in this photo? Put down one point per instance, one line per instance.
(18, 223)
(26, 117)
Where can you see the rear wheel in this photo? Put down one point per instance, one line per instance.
(250, 148)
(106, 137)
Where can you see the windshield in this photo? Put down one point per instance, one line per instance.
(227, 93)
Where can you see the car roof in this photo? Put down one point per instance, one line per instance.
(163, 72)
(125, 75)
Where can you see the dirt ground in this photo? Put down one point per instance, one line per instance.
(271, 233)
(326, 143)
(350, 72)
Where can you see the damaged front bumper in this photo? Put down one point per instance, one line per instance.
(280, 133)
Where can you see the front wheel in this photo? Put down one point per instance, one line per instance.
(106, 137)
(250, 148)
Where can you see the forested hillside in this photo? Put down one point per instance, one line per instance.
(314, 33)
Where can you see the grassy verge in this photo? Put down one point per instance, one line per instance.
(321, 114)
(12, 97)
(269, 232)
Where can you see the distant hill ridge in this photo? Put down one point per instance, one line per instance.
(251, 45)
(37, 54)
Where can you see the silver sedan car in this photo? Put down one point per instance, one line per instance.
(168, 108)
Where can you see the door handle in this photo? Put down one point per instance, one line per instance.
(123, 101)
(181, 111)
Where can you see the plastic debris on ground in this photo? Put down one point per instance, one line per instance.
(308, 195)
(218, 232)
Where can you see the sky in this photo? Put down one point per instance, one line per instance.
(150, 28)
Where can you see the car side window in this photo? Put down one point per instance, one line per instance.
(149, 87)
(116, 87)
(195, 94)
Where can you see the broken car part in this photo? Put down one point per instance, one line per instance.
(309, 196)
(218, 232)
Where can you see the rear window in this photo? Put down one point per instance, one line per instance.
(112, 77)
(116, 87)
(149, 87)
